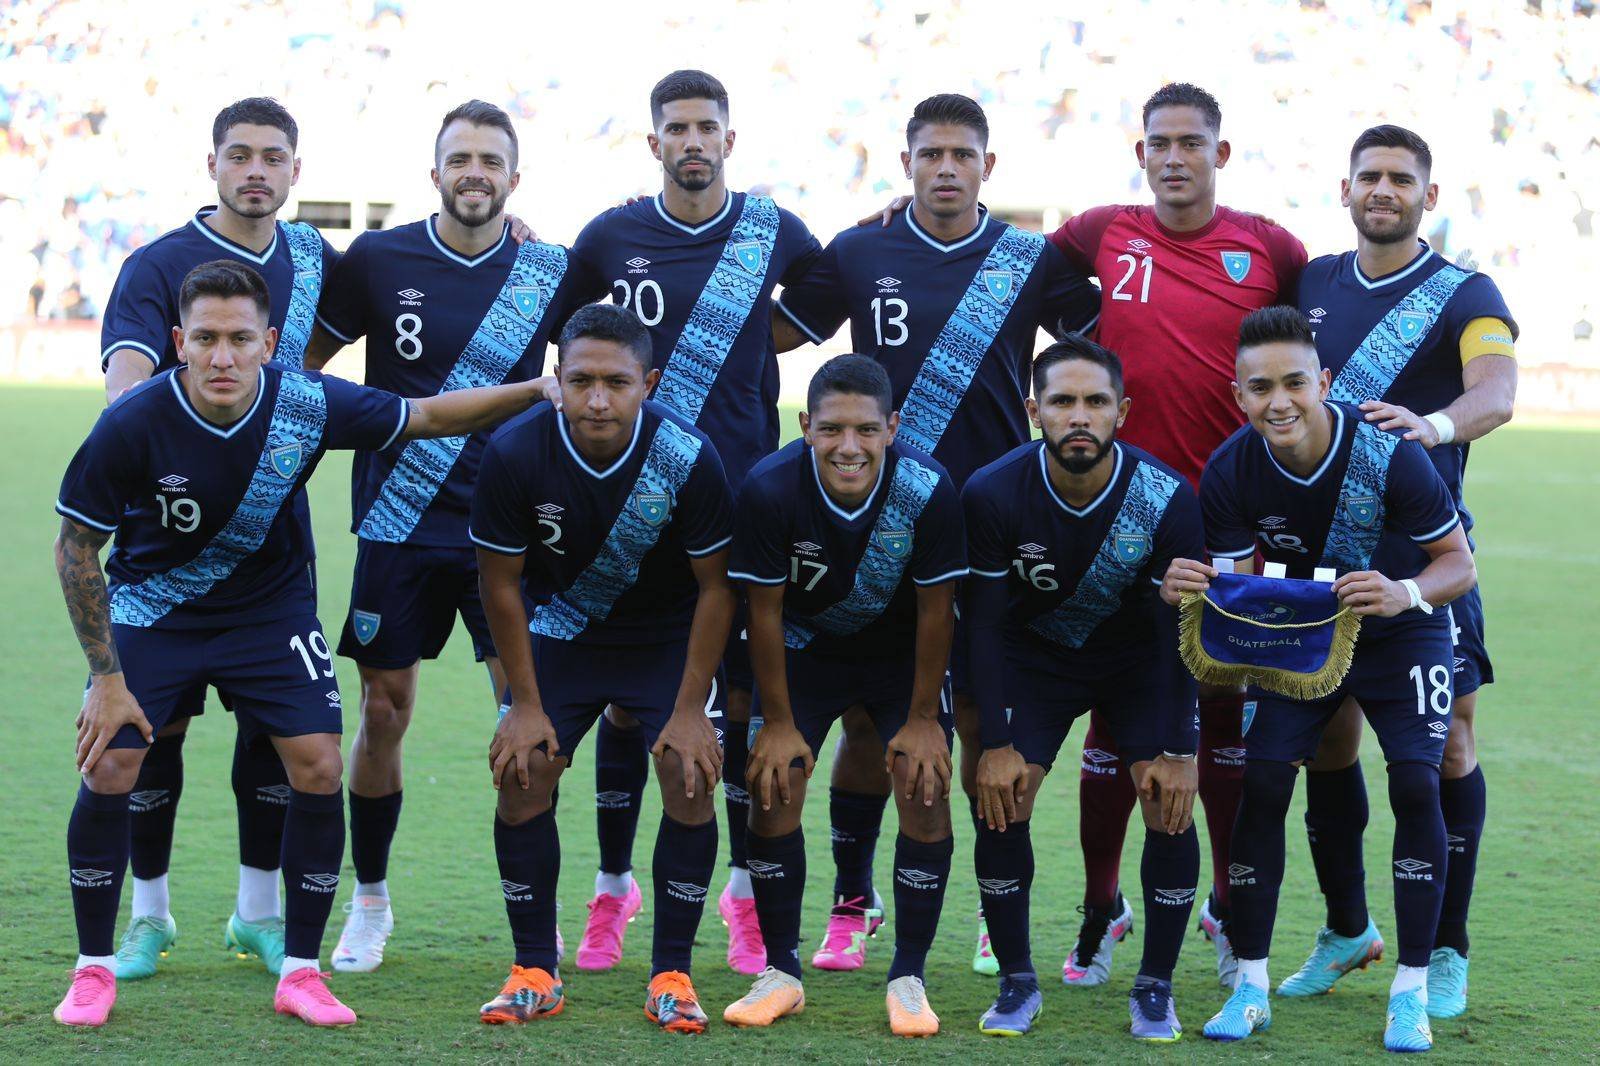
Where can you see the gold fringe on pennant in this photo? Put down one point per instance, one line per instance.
(1295, 685)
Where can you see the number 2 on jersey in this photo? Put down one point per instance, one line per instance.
(1134, 264)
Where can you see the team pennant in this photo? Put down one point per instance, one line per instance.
(1285, 635)
(285, 460)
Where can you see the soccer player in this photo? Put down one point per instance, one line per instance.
(956, 336)
(1426, 347)
(447, 303)
(1176, 278)
(615, 515)
(849, 544)
(1312, 485)
(698, 264)
(210, 584)
(254, 164)
(1067, 540)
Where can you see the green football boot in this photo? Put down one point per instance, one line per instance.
(263, 939)
(147, 941)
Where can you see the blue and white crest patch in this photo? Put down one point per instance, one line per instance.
(1237, 264)
(896, 542)
(365, 624)
(998, 284)
(1248, 717)
(1131, 548)
(285, 460)
(526, 300)
(748, 255)
(1363, 510)
(653, 507)
(1411, 326)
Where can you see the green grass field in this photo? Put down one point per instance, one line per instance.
(1535, 965)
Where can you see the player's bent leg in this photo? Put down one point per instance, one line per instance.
(965, 709)
(856, 801)
(1221, 759)
(528, 852)
(1463, 802)
(1169, 873)
(1004, 864)
(1420, 853)
(621, 767)
(261, 801)
(1106, 799)
(747, 953)
(153, 806)
(777, 857)
(922, 856)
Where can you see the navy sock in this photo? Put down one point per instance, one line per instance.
(1420, 858)
(1004, 865)
(855, 818)
(921, 872)
(313, 850)
(684, 859)
(1255, 869)
(621, 766)
(529, 855)
(261, 797)
(1169, 873)
(372, 824)
(153, 804)
(778, 877)
(736, 798)
(97, 855)
(1463, 802)
(1336, 819)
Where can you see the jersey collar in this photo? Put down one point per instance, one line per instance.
(577, 457)
(1084, 512)
(237, 249)
(457, 257)
(1334, 440)
(206, 424)
(848, 516)
(666, 216)
(962, 242)
(1390, 279)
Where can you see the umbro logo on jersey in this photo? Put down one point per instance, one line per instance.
(888, 283)
(90, 878)
(275, 794)
(1272, 521)
(613, 800)
(515, 892)
(1139, 244)
(998, 886)
(762, 869)
(410, 298)
(147, 800)
(806, 547)
(638, 263)
(1316, 315)
(1412, 870)
(685, 891)
(1175, 897)
(921, 880)
(1240, 874)
(172, 481)
(319, 882)
(1031, 550)
(549, 510)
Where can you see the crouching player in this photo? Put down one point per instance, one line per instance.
(1312, 484)
(850, 545)
(615, 514)
(1067, 539)
(210, 584)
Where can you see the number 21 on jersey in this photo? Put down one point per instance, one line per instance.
(1143, 266)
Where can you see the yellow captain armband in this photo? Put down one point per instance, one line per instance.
(1486, 336)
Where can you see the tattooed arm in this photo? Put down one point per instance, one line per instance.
(108, 705)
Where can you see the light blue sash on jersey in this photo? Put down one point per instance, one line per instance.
(645, 512)
(979, 316)
(717, 318)
(1116, 564)
(883, 562)
(305, 253)
(1358, 515)
(1380, 358)
(501, 339)
(298, 417)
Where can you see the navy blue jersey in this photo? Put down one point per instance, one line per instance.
(606, 551)
(436, 321)
(849, 574)
(704, 292)
(203, 536)
(143, 307)
(953, 324)
(1399, 338)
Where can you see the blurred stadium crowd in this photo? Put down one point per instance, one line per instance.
(104, 119)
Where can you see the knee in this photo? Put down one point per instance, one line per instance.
(117, 770)
(386, 709)
(1460, 744)
(1413, 786)
(1269, 786)
(780, 821)
(684, 809)
(320, 770)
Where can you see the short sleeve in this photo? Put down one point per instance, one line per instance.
(801, 246)
(939, 544)
(588, 256)
(1478, 297)
(760, 550)
(501, 520)
(815, 303)
(342, 308)
(361, 417)
(1179, 533)
(140, 313)
(1415, 497)
(705, 507)
(1079, 236)
(100, 481)
(1071, 301)
(1227, 535)
(1288, 257)
(987, 551)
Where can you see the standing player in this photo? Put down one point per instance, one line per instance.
(849, 544)
(615, 515)
(1067, 539)
(448, 303)
(697, 264)
(956, 336)
(1312, 485)
(254, 164)
(210, 584)
(1404, 332)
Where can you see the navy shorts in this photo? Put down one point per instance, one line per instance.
(1473, 669)
(403, 603)
(277, 677)
(1135, 703)
(823, 687)
(576, 682)
(1403, 680)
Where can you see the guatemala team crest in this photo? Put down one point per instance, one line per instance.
(1412, 325)
(653, 507)
(1363, 510)
(285, 460)
(526, 300)
(1248, 717)
(1131, 548)
(1237, 264)
(896, 542)
(998, 284)
(748, 255)
(365, 624)
(304, 280)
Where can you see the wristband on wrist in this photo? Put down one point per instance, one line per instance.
(1417, 602)
(1442, 425)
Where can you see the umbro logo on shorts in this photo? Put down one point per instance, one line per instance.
(685, 891)
(147, 800)
(319, 882)
(760, 868)
(921, 880)
(516, 893)
(90, 878)
(1412, 870)
(1240, 874)
(998, 886)
(1175, 897)
(613, 800)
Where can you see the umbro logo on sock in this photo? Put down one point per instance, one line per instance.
(999, 886)
(760, 868)
(612, 801)
(685, 891)
(1412, 870)
(1240, 874)
(516, 893)
(839, 836)
(319, 882)
(1097, 761)
(90, 878)
(278, 794)
(921, 880)
(147, 800)
(1175, 897)
(1455, 843)
(1228, 756)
